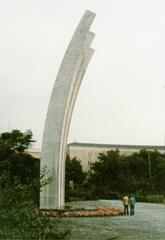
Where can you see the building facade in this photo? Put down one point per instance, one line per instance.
(87, 153)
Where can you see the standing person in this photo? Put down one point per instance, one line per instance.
(132, 202)
(125, 204)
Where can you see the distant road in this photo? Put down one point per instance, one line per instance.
(147, 223)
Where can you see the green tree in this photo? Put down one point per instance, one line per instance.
(74, 171)
(20, 217)
(75, 175)
(141, 173)
(17, 166)
(107, 176)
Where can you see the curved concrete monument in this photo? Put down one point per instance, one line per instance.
(71, 72)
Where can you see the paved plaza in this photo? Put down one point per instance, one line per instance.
(147, 223)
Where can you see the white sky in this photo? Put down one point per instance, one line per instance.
(122, 96)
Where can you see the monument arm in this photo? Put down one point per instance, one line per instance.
(60, 110)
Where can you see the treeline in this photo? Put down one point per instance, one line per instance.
(113, 175)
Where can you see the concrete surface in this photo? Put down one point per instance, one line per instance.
(147, 223)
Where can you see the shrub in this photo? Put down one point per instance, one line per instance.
(150, 198)
(21, 219)
(27, 222)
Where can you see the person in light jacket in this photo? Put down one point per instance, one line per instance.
(125, 204)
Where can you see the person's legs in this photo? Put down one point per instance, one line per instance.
(131, 209)
(127, 212)
(124, 209)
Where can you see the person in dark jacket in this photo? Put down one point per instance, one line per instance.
(132, 202)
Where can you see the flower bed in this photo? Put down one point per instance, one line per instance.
(98, 212)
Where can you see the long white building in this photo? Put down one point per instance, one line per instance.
(87, 153)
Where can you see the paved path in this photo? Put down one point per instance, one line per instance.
(147, 223)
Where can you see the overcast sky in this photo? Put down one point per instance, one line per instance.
(122, 96)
